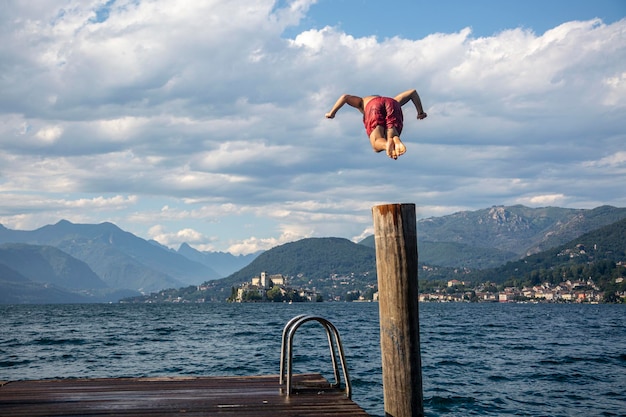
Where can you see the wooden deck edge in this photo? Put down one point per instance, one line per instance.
(241, 396)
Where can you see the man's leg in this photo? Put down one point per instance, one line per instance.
(393, 123)
(398, 147)
(378, 139)
(386, 140)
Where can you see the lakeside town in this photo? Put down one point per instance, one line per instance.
(274, 288)
(565, 292)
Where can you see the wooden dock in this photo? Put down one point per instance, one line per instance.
(256, 396)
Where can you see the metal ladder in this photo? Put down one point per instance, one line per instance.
(286, 353)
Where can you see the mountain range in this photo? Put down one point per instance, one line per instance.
(591, 255)
(100, 262)
(493, 236)
(82, 262)
(337, 268)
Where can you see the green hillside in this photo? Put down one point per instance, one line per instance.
(315, 262)
(47, 264)
(15, 288)
(314, 257)
(594, 255)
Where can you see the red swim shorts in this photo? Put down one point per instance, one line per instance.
(385, 112)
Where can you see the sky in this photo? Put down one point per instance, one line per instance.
(203, 121)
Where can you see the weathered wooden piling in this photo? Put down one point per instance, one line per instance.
(395, 231)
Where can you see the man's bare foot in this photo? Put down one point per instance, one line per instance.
(399, 146)
(390, 147)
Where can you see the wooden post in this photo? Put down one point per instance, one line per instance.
(395, 232)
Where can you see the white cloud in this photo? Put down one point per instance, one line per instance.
(544, 200)
(29, 211)
(234, 153)
(614, 160)
(617, 90)
(49, 134)
(174, 239)
(255, 244)
(121, 128)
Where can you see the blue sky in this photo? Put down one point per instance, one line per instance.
(203, 122)
(417, 19)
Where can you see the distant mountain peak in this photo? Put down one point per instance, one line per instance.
(223, 262)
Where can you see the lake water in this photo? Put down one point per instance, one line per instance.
(478, 359)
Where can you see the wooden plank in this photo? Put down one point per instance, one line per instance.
(256, 396)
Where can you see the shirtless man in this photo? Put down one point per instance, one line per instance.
(383, 118)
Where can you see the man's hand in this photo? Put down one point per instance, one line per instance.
(420, 116)
(330, 115)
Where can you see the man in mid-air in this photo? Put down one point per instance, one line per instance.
(383, 118)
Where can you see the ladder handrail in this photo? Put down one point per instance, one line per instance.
(286, 353)
(327, 326)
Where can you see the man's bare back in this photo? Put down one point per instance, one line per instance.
(366, 100)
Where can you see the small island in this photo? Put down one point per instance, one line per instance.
(271, 288)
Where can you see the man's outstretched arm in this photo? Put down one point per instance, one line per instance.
(411, 95)
(354, 101)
